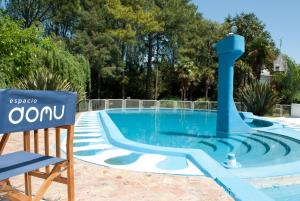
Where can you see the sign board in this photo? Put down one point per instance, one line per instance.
(22, 110)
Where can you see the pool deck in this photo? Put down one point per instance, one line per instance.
(94, 182)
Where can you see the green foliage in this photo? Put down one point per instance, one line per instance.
(297, 98)
(208, 75)
(259, 98)
(261, 54)
(17, 48)
(2, 80)
(25, 50)
(34, 11)
(243, 73)
(43, 79)
(288, 83)
(54, 57)
(188, 75)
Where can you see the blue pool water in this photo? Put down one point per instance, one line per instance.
(284, 193)
(196, 129)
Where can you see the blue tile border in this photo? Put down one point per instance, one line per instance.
(236, 187)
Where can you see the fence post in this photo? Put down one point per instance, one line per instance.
(175, 105)
(192, 105)
(157, 105)
(106, 105)
(281, 110)
(140, 104)
(90, 105)
(123, 104)
(208, 105)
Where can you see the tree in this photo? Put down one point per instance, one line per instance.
(25, 50)
(143, 17)
(65, 19)
(17, 48)
(93, 40)
(288, 83)
(208, 74)
(34, 10)
(261, 55)
(53, 56)
(188, 75)
(243, 73)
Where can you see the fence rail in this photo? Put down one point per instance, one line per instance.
(103, 104)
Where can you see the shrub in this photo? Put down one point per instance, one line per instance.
(259, 98)
(44, 79)
(297, 98)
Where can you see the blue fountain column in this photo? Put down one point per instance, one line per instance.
(228, 120)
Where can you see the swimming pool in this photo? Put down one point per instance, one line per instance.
(197, 130)
(184, 142)
(283, 193)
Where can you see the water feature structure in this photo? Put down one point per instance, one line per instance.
(229, 120)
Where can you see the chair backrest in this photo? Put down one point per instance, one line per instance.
(22, 110)
(37, 111)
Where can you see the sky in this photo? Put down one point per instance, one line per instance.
(281, 17)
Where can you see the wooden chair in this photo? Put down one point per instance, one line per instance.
(36, 164)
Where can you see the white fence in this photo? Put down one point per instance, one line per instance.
(295, 111)
(282, 110)
(103, 104)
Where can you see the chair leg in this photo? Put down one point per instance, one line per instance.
(28, 189)
(27, 177)
(3, 142)
(3, 184)
(70, 173)
(56, 171)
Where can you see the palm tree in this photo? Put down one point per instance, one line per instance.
(44, 79)
(261, 55)
(244, 73)
(188, 75)
(209, 75)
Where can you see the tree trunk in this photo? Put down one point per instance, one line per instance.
(257, 70)
(149, 66)
(123, 85)
(207, 84)
(191, 93)
(156, 63)
(183, 91)
(206, 92)
(123, 70)
(99, 84)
